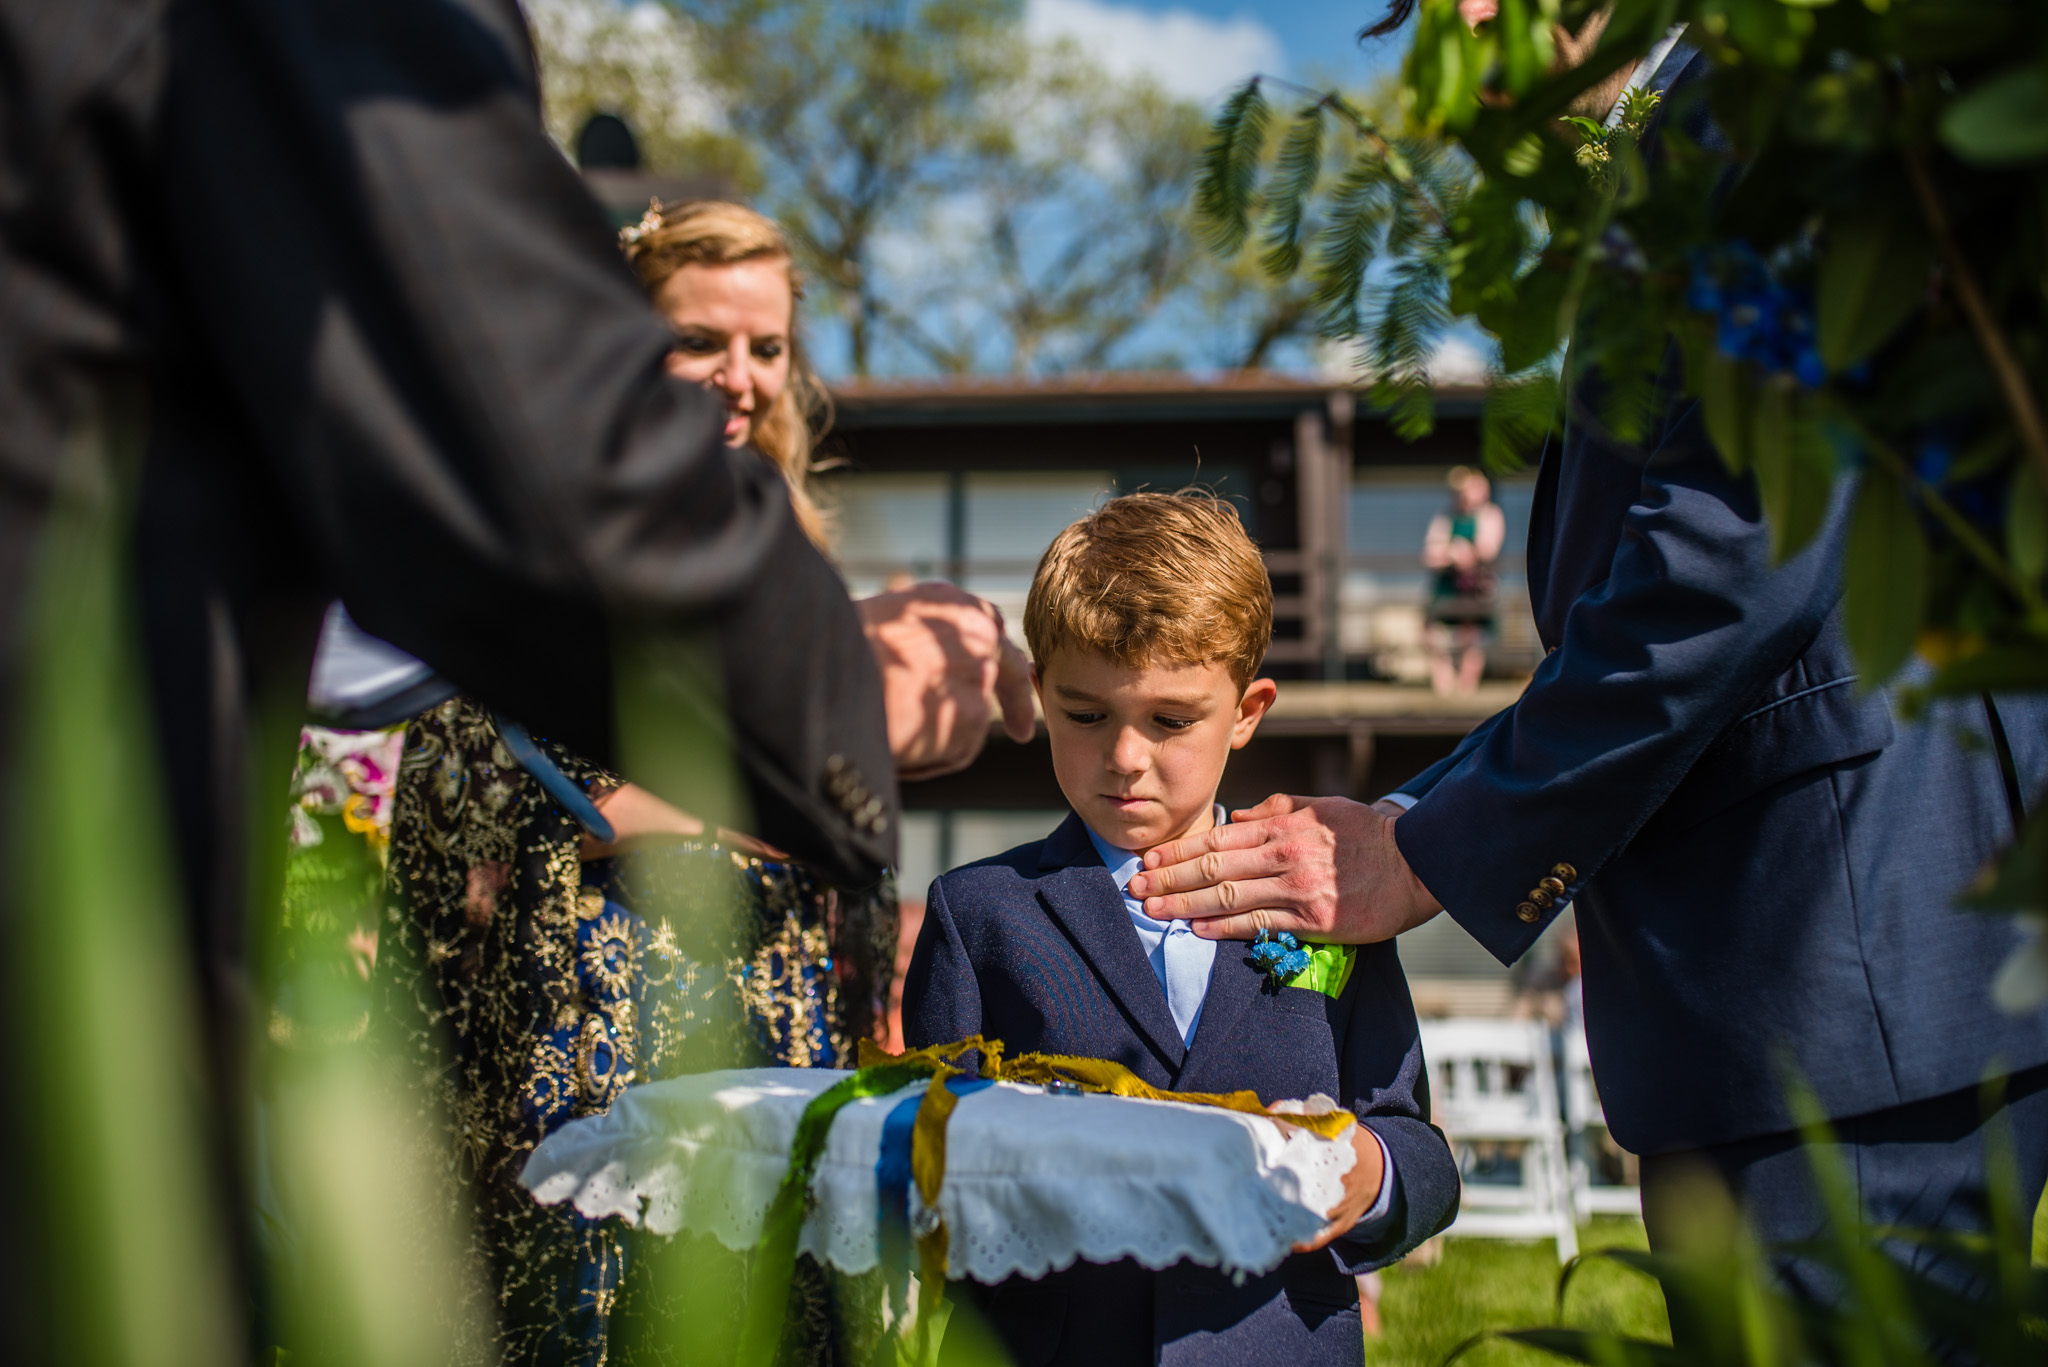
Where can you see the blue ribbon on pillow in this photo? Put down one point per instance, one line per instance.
(892, 1185)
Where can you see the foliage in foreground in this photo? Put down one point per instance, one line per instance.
(1987, 1304)
(1842, 256)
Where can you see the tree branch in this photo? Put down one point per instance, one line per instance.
(2012, 380)
(1968, 537)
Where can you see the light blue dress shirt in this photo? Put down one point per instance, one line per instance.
(1182, 961)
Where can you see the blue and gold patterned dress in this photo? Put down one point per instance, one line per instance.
(526, 988)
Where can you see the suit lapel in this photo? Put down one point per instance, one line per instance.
(1082, 897)
(1234, 979)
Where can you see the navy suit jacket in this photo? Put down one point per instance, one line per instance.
(1764, 857)
(1034, 948)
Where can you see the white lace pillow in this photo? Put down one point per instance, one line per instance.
(1033, 1181)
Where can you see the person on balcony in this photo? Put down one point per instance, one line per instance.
(1461, 546)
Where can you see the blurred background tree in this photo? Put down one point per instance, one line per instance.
(635, 61)
(963, 198)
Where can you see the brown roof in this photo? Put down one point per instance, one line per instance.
(1133, 384)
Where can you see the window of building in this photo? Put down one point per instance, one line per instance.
(983, 529)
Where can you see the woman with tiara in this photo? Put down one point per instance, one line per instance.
(557, 934)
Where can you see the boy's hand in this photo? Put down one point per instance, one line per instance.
(1325, 868)
(1361, 1190)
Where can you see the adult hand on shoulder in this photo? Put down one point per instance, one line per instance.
(1361, 1190)
(946, 664)
(1325, 868)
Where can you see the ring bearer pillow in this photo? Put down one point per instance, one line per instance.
(1035, 1176)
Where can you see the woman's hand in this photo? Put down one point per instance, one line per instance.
(1361, 1190)
(638, 816)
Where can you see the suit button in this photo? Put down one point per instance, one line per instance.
(1564, 873)
(1553, 886)
(1541, 898)
(1528, 911)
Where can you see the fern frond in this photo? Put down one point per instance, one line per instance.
(1295, 175)
(1350, 240)
(1411, 321)
(1410, 407)
(1405, 336)
(1230, 170)
(1520, 414)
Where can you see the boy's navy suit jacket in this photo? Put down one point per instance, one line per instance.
(1034, 947)
(1764, 856)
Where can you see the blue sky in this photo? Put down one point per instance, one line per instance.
(1203, 48)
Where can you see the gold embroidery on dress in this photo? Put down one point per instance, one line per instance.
(508, 1027)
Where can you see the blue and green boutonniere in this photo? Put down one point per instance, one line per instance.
(1281, 956)
(1287, 962)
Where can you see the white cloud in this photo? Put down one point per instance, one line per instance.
(1188, 54)
(1461, 360)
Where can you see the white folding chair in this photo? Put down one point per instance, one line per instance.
(1587, 1126)
(1492, 1082)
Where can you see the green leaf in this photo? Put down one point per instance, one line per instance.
(1526, 46)
(1873, 275)
(1524, 157)
(2002, 120)
(1526, 324)
(2026, 525)
(2020, 667)
(1725, 393)
(1794, 467)
(1885, 574)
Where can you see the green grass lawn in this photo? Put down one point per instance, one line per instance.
(1483, 1284)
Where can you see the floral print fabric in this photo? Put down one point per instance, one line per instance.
(525, 988)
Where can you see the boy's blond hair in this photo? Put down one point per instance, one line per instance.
(1155, 579)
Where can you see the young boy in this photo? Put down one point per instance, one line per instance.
(1147, 620)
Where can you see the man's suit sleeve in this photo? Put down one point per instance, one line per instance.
(941, 998)
(1689, 626)
(443, 365)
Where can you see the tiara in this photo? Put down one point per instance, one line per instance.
(649, 222)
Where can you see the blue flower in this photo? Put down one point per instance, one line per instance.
(1932, 462)
(1758, 317)
(1279, 955)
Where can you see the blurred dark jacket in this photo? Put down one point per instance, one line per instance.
(381, 346)
(1764, 858)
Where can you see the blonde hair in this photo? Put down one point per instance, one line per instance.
(1155, 579)
(715, 232)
